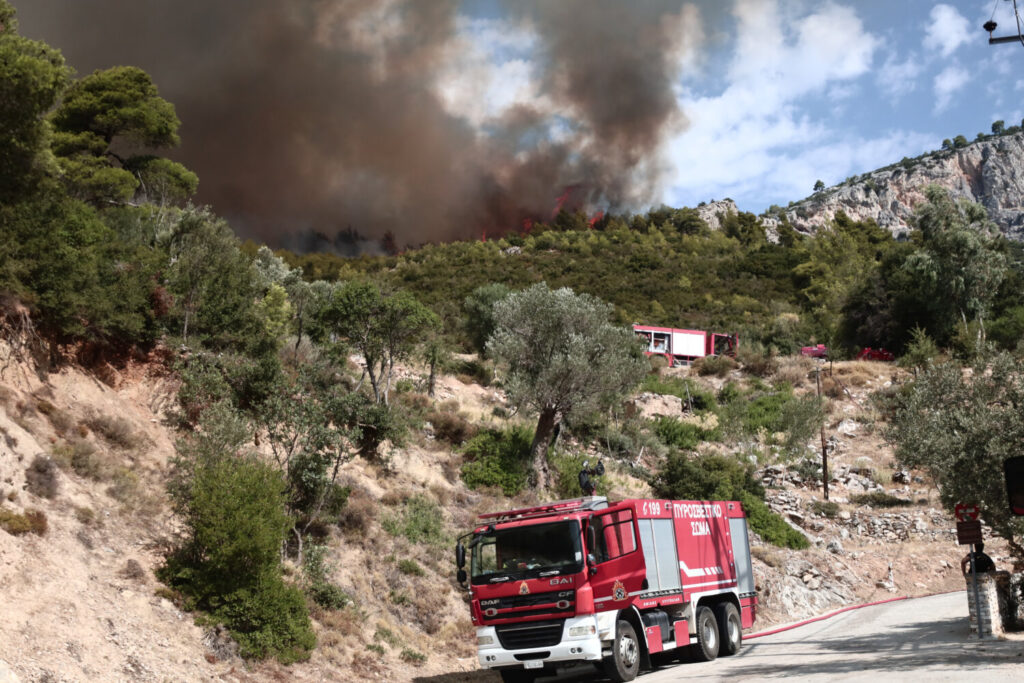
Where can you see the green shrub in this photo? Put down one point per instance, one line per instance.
(769, 526)
(412, 657)
(328, 596)
(319, 589)
(229, 565)
(705, 477)
(718, 477)
(567, 468)
(419, 521)
(809, 469)
(684, 435)
(825, 508)
(376, 647)
(879, 499)
(386, 635)
(765, 412)
(729, 392)
(719, 366)
(268, 619)
(32, 522)
(410, 567)
(498, 458)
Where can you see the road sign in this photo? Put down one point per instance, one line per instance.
(966, 512)
(968, 533)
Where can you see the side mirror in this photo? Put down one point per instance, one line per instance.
(460, 555)
(460, 576)
(592, 563)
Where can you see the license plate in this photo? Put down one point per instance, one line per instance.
(533, 664)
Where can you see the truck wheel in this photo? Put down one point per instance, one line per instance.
(517, 676)
(707, 635)
(730, 629)
(624, 664)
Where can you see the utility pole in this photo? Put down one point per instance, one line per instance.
(824, 450)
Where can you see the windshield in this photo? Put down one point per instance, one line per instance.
(527, 552)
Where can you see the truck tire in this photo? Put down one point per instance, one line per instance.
(624, 664)
(730, 628)
(706, 648)
(517, 676)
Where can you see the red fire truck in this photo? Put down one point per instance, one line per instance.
(584, 581)
(682, 347)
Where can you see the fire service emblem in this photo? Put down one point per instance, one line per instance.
(618, 591)
(524, 589)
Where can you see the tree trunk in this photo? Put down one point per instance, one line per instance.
(432, 379)
(541, 476)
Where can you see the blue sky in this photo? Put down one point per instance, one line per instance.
(779, 94)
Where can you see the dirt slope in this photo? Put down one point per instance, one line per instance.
(81, 603)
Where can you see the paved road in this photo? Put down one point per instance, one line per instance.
(924, 639)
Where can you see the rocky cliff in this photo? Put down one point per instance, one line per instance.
(989, 172)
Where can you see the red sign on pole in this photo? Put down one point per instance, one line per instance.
(966, 512)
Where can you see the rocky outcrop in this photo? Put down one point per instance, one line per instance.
(989, 172)
(713, 212)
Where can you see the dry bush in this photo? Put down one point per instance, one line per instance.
(458, 637)
(428, 606)
(86, 462)
(442, 495)
(658, 364)
(358, 514)
(856, 374)
(116, 430)
(59, 420)
(794, 370)
(367, 666)
(719, 366)
(831, 387)
(346, 622)
(770, 556)
(86, 516)
(133, 570)
(31, 522)
(451, 426)
(394, 497)
(452, 468)
(417, 403)
(757, 362)
(41, 477)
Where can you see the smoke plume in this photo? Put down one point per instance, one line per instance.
(308, 119)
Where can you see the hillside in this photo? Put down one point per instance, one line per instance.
(989, 171)
(82, 604)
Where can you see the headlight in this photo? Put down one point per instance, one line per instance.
(485, 640)
(577, 631)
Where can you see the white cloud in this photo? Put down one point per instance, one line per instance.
(755, 138)
(897, 78)
(947, 83)
(947, 30)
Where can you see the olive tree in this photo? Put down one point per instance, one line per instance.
(959, 264)
(959, 427)
(563, 356)
(383, 327)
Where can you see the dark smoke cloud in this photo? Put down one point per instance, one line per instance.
(309, 118)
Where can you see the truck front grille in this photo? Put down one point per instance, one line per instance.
(534, 634)
(536, 604)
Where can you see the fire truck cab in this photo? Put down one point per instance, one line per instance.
(585, 581)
